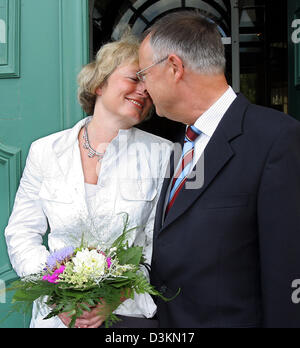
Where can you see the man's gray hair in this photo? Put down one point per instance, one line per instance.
(193, 38)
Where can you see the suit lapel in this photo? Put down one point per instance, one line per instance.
(215, 157)
(63, 147)
(69, 164)
(170, 172)
(164, 190)
(217, 154)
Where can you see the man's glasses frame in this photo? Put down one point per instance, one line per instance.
(141, 75)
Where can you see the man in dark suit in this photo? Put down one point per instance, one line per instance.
(232, 243)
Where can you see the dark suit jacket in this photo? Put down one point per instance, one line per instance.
(233, 246)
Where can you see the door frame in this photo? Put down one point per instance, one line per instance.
(74, 53)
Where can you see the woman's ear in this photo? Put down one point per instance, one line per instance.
(99, 91)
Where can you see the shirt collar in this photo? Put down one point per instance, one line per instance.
(209, 120)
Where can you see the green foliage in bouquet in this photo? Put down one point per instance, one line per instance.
(75, 281)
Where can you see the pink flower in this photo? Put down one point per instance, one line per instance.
(60, 270)
(108, 260)
(54, 277)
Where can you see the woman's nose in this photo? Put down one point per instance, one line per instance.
(141, 89)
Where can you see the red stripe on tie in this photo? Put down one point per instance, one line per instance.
(185, 161)
(191, 135)
(175, 195)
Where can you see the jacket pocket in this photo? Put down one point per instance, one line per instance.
(55, 192)
(217, 202)
(138, 190)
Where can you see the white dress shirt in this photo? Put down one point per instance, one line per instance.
(207, 123)
(209, 120)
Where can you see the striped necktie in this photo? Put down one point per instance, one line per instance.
(184, 169)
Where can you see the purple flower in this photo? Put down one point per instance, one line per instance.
(59, 256)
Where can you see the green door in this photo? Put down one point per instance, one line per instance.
(43, 45)
(294, 57)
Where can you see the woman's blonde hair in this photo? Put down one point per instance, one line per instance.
(108, 58)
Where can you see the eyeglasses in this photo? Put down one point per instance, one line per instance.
(141, 75)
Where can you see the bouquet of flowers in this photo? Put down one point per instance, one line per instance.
(76, 280)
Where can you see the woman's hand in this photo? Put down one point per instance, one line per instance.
(94, 318)
(65, 318)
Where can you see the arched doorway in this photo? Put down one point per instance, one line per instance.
(254, 33)
(109, 20)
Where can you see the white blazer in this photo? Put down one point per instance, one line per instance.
(52, 194)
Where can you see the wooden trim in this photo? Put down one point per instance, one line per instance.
(73, 54)
(12, 67)
(10, 174)
(12, 157)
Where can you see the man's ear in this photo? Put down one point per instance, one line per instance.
(177, 66)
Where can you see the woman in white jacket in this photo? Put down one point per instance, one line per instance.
(79, 179)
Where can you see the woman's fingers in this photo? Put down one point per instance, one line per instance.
(91, 319)
(65, 318)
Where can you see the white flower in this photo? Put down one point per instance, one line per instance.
(89, 263)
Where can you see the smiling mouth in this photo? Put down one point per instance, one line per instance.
(136, 103)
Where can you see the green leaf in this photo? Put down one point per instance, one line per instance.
(90, 302)
(120, 242)
(85, 307)
(51, 315)
(26, 295)
(72, 293)
(130, 256)
(120, 284)
(72, 323)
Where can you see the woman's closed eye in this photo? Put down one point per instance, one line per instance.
(135, 79)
